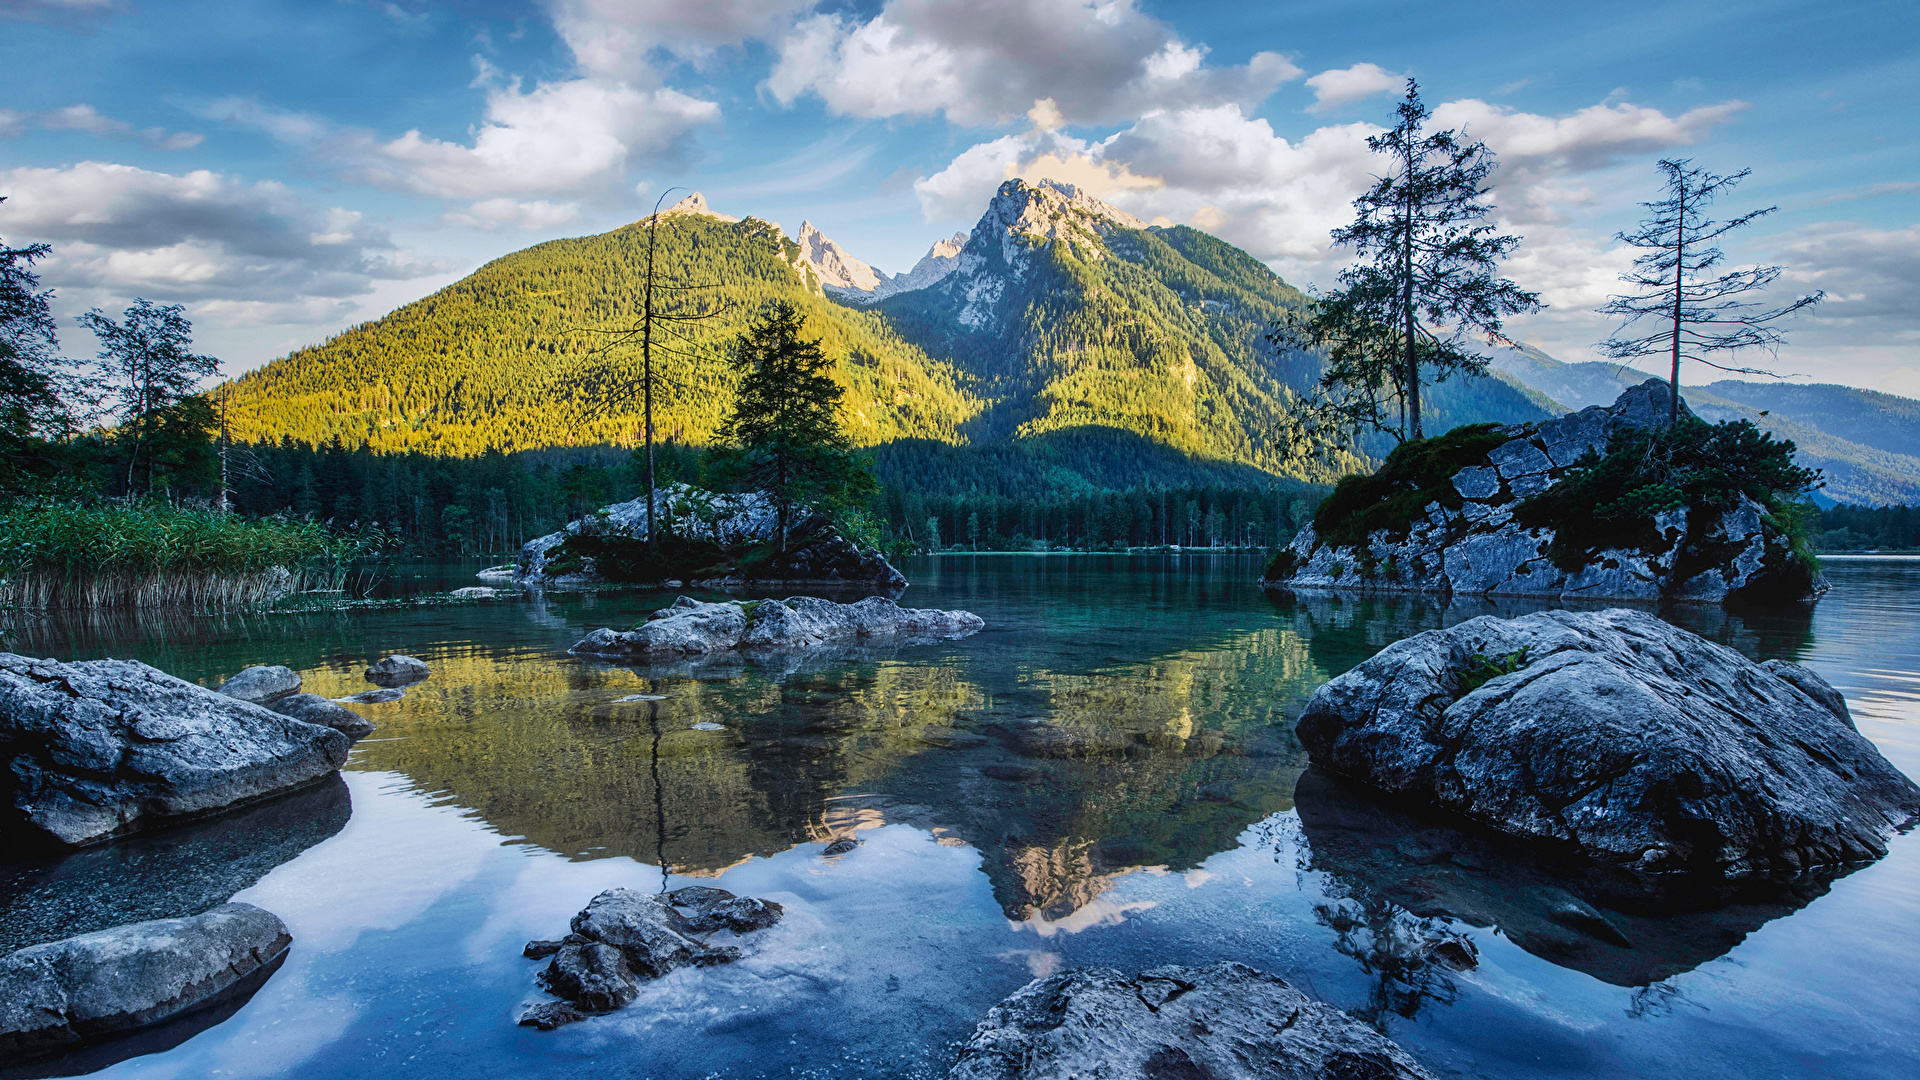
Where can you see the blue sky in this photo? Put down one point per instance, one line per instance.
(288, 169)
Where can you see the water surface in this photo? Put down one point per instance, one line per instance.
(1105, 776)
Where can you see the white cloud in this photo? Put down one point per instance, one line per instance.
(200, 238)
(613, 38)
(531, 161)
(1342, 86)
(991, 60)
(503, 213)
(88, 119)
(1219, 169)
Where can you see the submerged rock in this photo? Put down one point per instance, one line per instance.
(1620, 927)
(165, 873)
(315, 709)
(691, 628)
(83, 988)
(374, 697)
(262, 683)
(101, 746)
(1225, 1022)
(1471, 546)
(475, 592)
(624, 935)
(1612, 732)
(398, 671)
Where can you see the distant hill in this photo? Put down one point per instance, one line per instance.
(1110, 353)
(1866, 442)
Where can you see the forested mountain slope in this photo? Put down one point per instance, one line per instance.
(508, 359)
(1065, 328)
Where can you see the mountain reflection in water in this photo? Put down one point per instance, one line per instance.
(1060, 778)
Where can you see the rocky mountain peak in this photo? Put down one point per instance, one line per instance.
(837, 268)
(999, 250)
(695, 205)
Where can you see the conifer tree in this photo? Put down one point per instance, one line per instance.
(784, 435)
(29, 364)
(1695, 314)
(1427, 284)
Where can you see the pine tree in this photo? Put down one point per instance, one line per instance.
(1700, 314)
(1427, 284)
(784, 435)
(29, 364)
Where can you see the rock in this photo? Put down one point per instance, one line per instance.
(372, 697)
(164, 873)
(551, 1014)
(1387, 858)
(1637, 743)
(398, 671)
(261, 684)
(1225, 1022)
(102, 746)
(623, 935)
(840, 847)
(815, 553)
(497, 573)
(650, 933)
(594, 977)
(476, 592)
(708, 909)
(62, 993)
(315, 709)
(1737, 556)
(691, 628)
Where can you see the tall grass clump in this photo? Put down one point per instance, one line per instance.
(57, 554)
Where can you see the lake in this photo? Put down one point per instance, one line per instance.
(1106, 776)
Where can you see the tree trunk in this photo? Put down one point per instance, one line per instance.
(1679, 292)
(1412, 396)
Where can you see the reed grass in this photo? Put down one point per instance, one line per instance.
(155, 555)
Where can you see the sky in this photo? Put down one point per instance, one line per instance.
(288, 169)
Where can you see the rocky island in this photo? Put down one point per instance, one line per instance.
(1467, 514)
(722, 538)
(691, 628)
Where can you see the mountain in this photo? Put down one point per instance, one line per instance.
(1059, 326)
(1866, 443)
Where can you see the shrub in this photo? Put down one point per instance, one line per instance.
(1609, 501)
(1417, 473)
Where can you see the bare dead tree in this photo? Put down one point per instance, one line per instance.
(651, 329)
(1697, 312)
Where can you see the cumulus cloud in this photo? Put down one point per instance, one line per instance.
(90, 120)
(990, 60)
(1341, 86)
(1220, 169)
(614, 38)
(531, 162)
(201, 238)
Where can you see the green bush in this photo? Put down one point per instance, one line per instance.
(1609, 501)
(1417, 473)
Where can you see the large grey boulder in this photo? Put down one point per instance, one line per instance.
(691, 628)
(262, 683)
(1638, 743)
(1225, 1022)
(100, 746)
(62, 993)
(1476, 550)
(647, 930)
(315, 709)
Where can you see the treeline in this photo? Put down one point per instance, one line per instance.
(1868, 528)
(421, 504)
